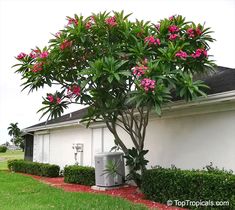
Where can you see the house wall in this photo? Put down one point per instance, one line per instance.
(59, 148)
(191, 141)
(61, 141)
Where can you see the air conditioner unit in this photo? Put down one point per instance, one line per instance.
(102, 176)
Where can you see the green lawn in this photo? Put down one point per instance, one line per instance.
(18, 192)
(9, 155)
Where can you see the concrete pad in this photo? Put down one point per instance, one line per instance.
(101, 188)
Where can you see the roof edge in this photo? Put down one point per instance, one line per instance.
(213, 98)
(55, 125)
(210, 99)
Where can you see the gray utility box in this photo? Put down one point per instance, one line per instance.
(102, 177)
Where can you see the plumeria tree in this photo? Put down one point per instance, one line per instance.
(121, 69)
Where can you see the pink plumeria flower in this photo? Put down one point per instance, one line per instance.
(72, 21)
(58, 100)
(74, 90)
(88, 25)
(190, 32)
(173, 29)
(148, 84)
(111, 21)
(44, 54)
(50, 98)
(198, 31)
(199, 52)
(152, 41)
(33, 54)
(65, 44)
(158, 41)
(21, 56)
(173, 36)
(90, 22)
(139, 70)
(205, 53)
(181, 54)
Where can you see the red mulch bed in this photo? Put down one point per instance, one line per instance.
(128, 193)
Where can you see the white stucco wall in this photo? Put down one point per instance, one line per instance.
(109, 139)
(192, 141)
(61, 142)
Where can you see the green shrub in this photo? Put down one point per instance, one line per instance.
(50, 170)
(3, 149)
(79, 174)
(34, 168)
(161, 184)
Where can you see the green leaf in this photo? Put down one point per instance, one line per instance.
(125, 73)
(117, 77)
(110, 79)
(158, 109)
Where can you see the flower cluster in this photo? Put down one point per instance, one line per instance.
(152, 41)
(199, 52)
(72, 21)
(148, 84)
(139, 70)
(65, 44)
(194, 32)
(52, 99)
(37, 67)
(173, 30)
(90, 22)
(181, 54)
(111, 21)
(173, 36)
(74, 90)
(33, 54)
(88, 25)
(21, 56)
(44, 54)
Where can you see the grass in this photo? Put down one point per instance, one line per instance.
(9, 155)
(18, 192)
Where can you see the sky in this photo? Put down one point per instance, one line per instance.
(25, 24)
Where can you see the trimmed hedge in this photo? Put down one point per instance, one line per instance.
(162, 184)
(79, 174)
(3, 149)
(40, 169)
